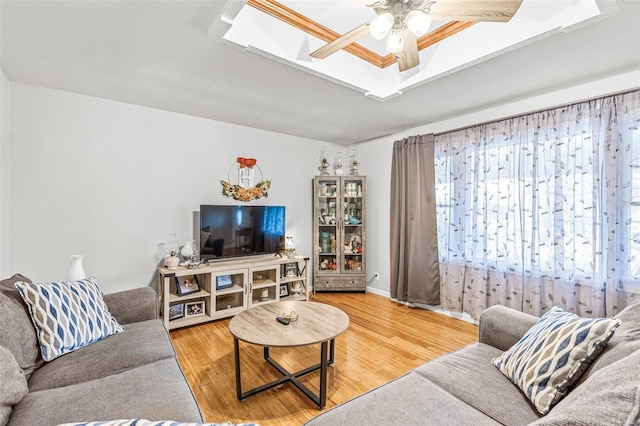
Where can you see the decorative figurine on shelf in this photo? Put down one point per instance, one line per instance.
(356, 244)
(327, 265)
(354, 163)
(324, 164)
(323, 217)
(281, 247)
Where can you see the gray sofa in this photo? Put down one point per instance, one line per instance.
(464, 388)
(132, 374)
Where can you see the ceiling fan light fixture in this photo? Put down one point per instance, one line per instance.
(418, 22)
(395, 41)
(381, 26)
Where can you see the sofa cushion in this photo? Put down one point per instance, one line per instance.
(624, 342)
(469, 375)
(141, 343)
(67, 315)
(13, 385)
(133, 305)
(614, 390)
(16, 329)
(410, 400)
(553, 354)
(155, 391)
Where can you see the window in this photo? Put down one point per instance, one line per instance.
(542, 194)
(633, 220)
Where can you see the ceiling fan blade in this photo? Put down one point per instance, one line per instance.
(474, 10)
(409, 57)
(341, 42)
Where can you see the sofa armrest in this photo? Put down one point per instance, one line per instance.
(135, 305)
(502, 327)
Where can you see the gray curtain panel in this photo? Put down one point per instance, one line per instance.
(415, 275)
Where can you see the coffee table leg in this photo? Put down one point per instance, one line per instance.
(236, 356)
(332, 351)
(323, 375)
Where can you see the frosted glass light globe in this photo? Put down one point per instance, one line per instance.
(395, 41)
(381, 26)
(418, 22)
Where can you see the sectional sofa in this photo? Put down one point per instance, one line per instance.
(130, 375)
(464, 388)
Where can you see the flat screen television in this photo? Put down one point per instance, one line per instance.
(236, 231)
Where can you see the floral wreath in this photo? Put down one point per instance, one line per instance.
(240, 193)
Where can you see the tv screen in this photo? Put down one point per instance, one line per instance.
(235, 231)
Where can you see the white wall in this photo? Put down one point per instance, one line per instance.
(4, 173)
(112, 180)
(375, 158)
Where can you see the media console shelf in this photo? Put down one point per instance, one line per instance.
(228, 287)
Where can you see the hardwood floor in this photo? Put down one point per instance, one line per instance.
(384, 340)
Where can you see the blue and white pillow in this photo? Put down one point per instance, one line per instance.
(67, 315)
(553, 354)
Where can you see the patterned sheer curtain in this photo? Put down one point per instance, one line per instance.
(542, 210)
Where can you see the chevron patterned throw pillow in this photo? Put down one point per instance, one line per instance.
(67, 315)
(553, 354)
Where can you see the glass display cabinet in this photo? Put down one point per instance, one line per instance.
(339, 233)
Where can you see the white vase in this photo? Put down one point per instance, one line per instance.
(76, 271)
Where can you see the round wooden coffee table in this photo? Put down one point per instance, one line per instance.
(317, 323)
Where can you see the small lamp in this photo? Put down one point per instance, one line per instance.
(354, 163)
(324, 163)
(290, 247)
(338, 164)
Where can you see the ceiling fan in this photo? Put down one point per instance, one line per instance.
(404, 21)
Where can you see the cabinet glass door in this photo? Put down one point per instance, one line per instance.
(328, 219)
(352, 235)
(230, 290)
(263, 283)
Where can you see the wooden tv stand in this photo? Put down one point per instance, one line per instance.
(254, 280)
